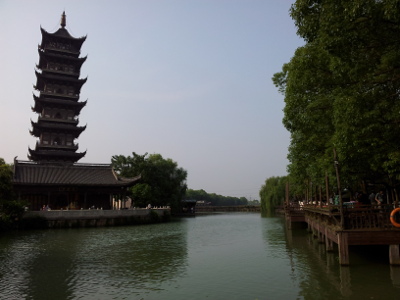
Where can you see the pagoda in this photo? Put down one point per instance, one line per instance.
(57, 103)
(53, 177)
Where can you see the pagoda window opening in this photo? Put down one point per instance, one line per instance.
(49, 88)
(57, 141)
(72, 117)
(58, 116)
(45, 139)
(69, 140)
(45, 113)
(71, 91)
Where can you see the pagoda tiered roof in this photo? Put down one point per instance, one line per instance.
(52, 156)
(43, 77)
(47, 56)
(39, 127)
(43, 101)
(62, 34)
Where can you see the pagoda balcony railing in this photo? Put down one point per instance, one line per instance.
(50, 95)
(67, 121)
(60, 72)
(355, 216)
(62, 48)
(57, 146)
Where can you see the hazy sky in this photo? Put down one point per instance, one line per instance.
(189, 79)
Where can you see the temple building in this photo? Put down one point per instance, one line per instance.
(52, 176)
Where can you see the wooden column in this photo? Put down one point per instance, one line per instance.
(394, 255)
(321, 237)
(288, 223)
(328, 242)
(343, 249)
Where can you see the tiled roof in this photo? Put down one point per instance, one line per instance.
(29, 173)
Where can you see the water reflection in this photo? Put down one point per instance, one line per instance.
(221, 256)
(319, 272)
(100, 263)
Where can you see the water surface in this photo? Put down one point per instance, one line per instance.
(220, 256)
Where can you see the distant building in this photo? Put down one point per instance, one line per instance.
(52, 176)
(203, 203)
(188, 206)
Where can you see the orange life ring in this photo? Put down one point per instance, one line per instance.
(394, 211)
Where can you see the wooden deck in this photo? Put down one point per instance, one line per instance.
(294, 213)
(357, 225)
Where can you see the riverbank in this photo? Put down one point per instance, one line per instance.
(92, 218)
(236, 208)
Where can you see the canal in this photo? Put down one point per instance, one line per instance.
(215, 256)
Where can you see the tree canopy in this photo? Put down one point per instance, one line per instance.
(272, 194)
(10, 209)
(162, 181)
(342, 92)
(215, 199)
(6, 191)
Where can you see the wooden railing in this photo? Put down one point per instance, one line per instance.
(294, 209)
(356, 217)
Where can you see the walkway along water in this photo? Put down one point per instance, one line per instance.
(356, 225)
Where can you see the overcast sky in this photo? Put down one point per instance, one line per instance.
(188, 79)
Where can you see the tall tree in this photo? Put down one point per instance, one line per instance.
(6, 191)
(11, 210)
(342, 90)
(162, 181)
(272, 194)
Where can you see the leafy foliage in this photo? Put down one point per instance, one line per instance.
(6, 191)
(214, 199)
(342, 92)
(11, 210)
(162, 181)
(272, 193)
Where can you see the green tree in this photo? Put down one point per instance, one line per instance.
(215, 199)
(162, 181)
(272, 194)
(11, 210)
(342, 91)
(6, 190)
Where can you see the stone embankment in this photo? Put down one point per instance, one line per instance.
(93, 217)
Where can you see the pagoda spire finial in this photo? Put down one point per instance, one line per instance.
(63, 19)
